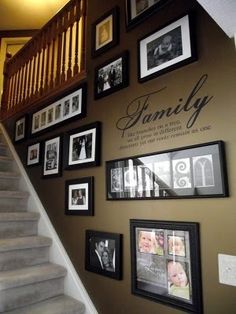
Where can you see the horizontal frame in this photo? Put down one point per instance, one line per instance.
(79, 196)
(21, 127)
(104, 253)
(138, 11)
(52, 157)
(166, 263)
(189, 172)
(83, 146)
(166, 49)
(34, 154)
(69, 107)
(112, 75)
(105, 32)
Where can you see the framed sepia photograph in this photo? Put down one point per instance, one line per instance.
(71, 106)
(33, 154)
(105, 32)
(166, 49)
(190, 172)
(79, 196)
(52, 162)
(138, 10)
(21, 128)
(166, 263)
(82, 146)
(111, 76)
(104, 253)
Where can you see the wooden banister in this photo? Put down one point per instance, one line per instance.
(53, 60)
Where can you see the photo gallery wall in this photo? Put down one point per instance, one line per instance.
(165, 255)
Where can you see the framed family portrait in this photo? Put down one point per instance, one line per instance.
(33, 154)
(111, 76)
(166, 49)
(70, 106)
(138, 10)
(103, 253)
(20, 128)
(52, 162)
(166, 263)
(105, 32)
(79, 198)
(190, 172)
(82, 146)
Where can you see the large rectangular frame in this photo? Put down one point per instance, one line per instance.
(189, 172)
(166, 264)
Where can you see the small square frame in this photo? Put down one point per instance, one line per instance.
(21, 125)
(33, 154)
(79, 196)
(52, 157)
(110, 246)
(105, 32)
(155, 272)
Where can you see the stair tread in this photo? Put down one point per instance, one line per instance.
(30, 275)
(58, 305)
(5, 158)
(24, 243)
(14, 194)
(9, 174)
(19, 216)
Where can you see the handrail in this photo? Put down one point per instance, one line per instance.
(53, 60)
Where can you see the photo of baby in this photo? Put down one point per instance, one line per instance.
(176, 245)
(150, 242)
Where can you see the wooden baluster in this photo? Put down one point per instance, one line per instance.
(77, 18)
(34, 69)
(48, 41)
(64, 47)
(19, 83)
(71, 21)
(42, 64)
(59, 46)
(38, 67)
(25, 80)
(83, 26)
(30, 76)
(53, 36)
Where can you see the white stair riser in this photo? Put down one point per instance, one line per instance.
(21, 296)
(9, 184)
(16, 259)
(13, 204)
(12, 229)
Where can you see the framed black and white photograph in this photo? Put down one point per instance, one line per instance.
(71, 106)
(166, 263)
(166, 49)
(105, 32)
(104, 253)
(138, 10)
(189, 172)
(79, 196)
(111, 76)
(33, 154)
(20, 128)
(82, 146)
(52, 162)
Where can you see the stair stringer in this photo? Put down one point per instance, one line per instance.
(73, 285)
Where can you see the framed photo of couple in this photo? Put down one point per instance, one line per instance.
(103, 253)
(165, 263)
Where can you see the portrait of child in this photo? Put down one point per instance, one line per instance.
(176, 245)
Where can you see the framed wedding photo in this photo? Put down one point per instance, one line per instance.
(104, 253)
(105, 32)
(52, 162)
(166, 263)
(111, 76)
(138, 10)
(79, 196)
(166, 49)
(82, 146)
(33, 154)
(20, 128)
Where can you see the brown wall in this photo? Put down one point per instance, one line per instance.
(217, 216)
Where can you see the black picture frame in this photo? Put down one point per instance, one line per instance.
(21, 128)
(167, 48)
(52, 157)
(79, 196)
(139, 10)
(111, 76)
(34, 154)
(195, 171)
(83, 146)
(109, 245)
(67, 107)
(105, 32)
(166, 263)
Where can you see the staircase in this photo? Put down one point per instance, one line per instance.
(29, 282)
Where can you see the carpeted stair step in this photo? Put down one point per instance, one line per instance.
(23, 252)
(18, 224)
(3, 149)
(6, 163)
(58, 305)
(26, 286)
(9, 180)
(13, 199)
